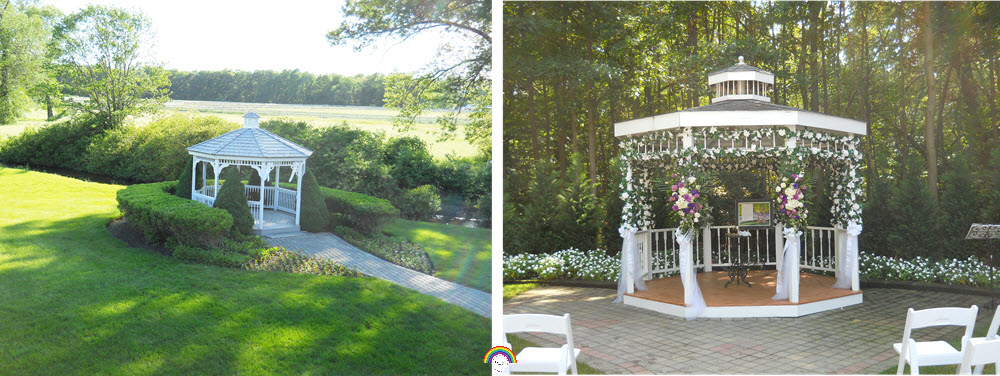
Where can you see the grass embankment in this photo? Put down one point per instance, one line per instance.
(460, 254)
(75, 300)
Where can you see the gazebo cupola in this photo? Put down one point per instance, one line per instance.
(741, 81)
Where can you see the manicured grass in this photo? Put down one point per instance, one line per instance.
(460, 254)
(511, 290)
(75, 300)
(942, 370)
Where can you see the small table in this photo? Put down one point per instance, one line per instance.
(737, 269)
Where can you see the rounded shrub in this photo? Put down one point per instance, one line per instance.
(232, 198)
(419, 203)
(315, 215)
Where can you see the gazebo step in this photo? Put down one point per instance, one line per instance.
(277, 230)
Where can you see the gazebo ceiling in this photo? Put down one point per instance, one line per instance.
(742, 101)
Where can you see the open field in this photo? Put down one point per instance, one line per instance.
(76, 300)
(375, 119)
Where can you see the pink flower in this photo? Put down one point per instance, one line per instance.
(673, 187)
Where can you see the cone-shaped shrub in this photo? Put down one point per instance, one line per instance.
(184, 181)
(232, 199)
(315, 216)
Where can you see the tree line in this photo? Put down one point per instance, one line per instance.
(924, 76)
(286, 86)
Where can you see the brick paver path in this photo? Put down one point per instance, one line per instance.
(329, 246)
(619, 339)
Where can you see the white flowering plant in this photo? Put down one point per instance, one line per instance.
(569, 263)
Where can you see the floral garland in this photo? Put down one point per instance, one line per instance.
(657, 149)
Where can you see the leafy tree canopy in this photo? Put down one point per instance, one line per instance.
(462, 73)
(106, 54)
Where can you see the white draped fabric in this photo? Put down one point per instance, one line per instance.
(692, 292)
(631, 271)
(788, 269)
(850, 267)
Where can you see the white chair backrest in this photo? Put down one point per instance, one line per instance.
(536, 323)
(978, 354)
(939, 317)
(994, 325)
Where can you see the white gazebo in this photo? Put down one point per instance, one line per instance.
(741, 129)
(274, 209)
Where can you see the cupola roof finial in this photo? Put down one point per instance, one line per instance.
(741, 59)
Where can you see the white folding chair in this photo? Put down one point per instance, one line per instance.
(991, 334)
(933, 353)
(542, 359)
(980, 354)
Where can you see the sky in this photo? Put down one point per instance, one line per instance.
(256, 35)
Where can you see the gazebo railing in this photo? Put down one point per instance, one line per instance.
(819, 250)
(658, 250)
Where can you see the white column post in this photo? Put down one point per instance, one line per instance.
(260, 198)
(779, 243)
(793, 283)
(298, 193)
(706, 247)
(215, 170)
(204, 174)
(194, 169)
(838, 247)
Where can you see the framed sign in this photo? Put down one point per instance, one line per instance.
(753, 213)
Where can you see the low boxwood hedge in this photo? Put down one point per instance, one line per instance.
(153, 209)
(362, 212)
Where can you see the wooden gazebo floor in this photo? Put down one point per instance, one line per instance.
(812, 288)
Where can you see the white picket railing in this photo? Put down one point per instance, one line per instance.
(658, 250)
(819, 250)
(286, 200)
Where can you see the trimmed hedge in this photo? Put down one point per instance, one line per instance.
(365, 213)
(154, 210)
(362, 212)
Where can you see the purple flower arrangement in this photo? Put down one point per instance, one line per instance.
(791, 208)
(685, 198)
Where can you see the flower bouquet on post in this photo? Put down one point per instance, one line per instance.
(688, 203)
(790, 202)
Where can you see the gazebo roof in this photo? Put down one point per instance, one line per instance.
(742, 101)
(251, 142)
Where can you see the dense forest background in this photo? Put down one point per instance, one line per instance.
(287, 86)
(924, 76)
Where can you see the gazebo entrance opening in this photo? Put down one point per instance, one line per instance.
(740, 131)
(275, 209)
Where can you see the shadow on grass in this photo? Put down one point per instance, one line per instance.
(73, 299)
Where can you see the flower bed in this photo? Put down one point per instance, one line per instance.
(566, 264)
(969, 272)
(596, 266)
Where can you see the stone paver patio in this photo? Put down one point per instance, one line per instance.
(329, 246)
(619, 339)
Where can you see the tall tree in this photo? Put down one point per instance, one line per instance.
(106, 52)
(930, 139)
(23, 38)
(464, 70)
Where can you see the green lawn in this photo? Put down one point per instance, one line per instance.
(75, 300)
(511, 290)
(460, 254)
